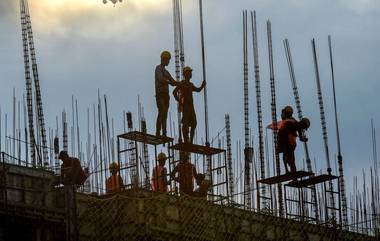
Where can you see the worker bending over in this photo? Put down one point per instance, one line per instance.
(159, 176)
(183, 93)
(184, 173)
(114, 183)
(71, 170)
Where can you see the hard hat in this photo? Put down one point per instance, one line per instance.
(166, 54)
(161, 157)
(288, 110)
(187, 69)
(114, 167)
(305, 122)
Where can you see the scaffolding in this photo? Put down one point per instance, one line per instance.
(219, 191)
(127, 167)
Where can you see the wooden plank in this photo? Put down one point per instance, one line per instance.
(285, 177)
(312, 181)
(203, 150)
(146, 138)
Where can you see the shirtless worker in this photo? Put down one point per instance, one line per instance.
(162, 81)
(183, 93)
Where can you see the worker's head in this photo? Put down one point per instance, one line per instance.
(63, 155)
(200, 178)
(287, 112)
(165, 58)
(183, 156)
(187, 73)
(114, 168)
(305, 123)
(161, 158)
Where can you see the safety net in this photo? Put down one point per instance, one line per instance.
(180, 217)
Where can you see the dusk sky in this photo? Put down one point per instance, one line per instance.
(84, 45)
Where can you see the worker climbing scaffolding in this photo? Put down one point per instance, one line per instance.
(183, 93)
(162, 81)
(288, 130)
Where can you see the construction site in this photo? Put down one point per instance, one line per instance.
(178, 181)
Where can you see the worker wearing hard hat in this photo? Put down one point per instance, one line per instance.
(162, 81)
(288, 130)
(159, 176)
(183, 93)
(114, 183)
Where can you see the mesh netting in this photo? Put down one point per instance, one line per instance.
(173, 217)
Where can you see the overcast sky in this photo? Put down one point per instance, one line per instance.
(84, 45)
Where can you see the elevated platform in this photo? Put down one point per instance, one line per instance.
(312, 181)
(198, 149)
(285, 177)
(146, 138)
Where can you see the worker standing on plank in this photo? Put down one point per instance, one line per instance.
(183, 93)
(162, 81)
(159, 176)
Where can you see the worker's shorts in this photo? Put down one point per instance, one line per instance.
(162, 101)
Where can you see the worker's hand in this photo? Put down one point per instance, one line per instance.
(203, 83)
(303, 138)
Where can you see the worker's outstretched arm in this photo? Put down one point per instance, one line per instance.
(200, 88)
(170, 79)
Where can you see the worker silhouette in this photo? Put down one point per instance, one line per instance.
(183, 93)
(288, 130)
(159, 175)
(71, 170)
(162, 81)
(184, 173)
(203, 186)
(114, 183)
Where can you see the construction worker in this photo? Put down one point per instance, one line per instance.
(114, 183)
(71, 170)
(288, 130)
(183, 93)
(159, 176)
(186, 174)
(203, 186)
(162, 81)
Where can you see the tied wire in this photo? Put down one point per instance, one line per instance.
(258, 103)
(300, 116)
(340, 158)
(274, 116)
(208, 158)
(323, 123)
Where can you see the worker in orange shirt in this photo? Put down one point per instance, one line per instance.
(288, 131)
(159, 175)
(114, 183)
